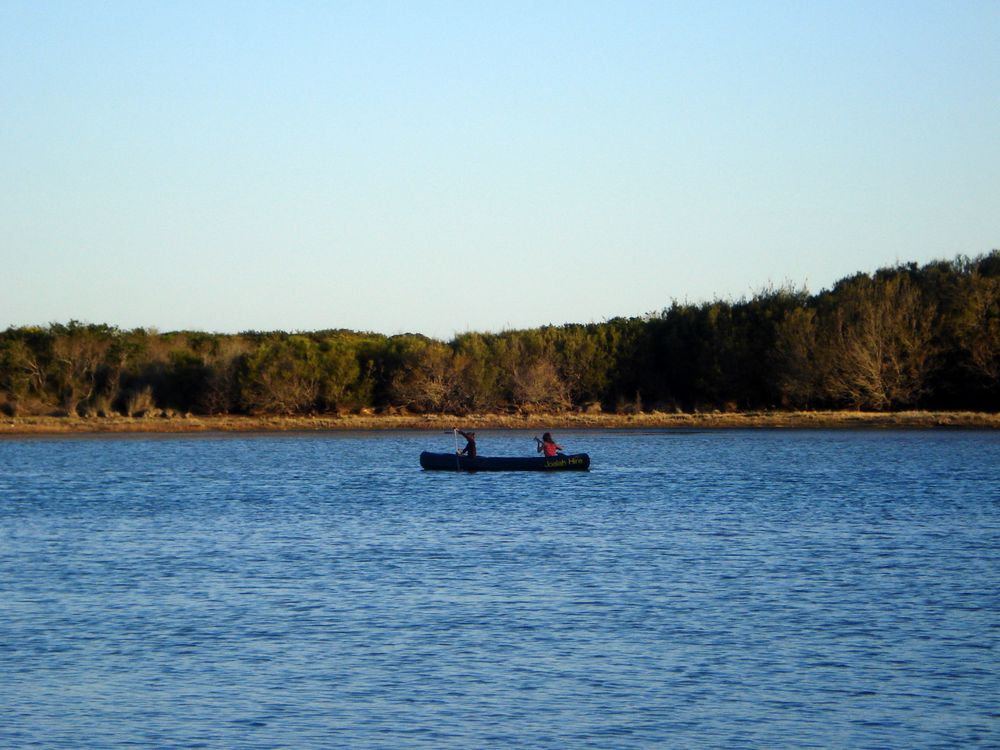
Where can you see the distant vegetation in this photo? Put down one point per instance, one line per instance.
(905, 337)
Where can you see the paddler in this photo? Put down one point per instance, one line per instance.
(470, 444)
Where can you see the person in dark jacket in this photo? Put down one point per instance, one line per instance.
(470, 444)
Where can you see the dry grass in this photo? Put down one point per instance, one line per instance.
(570, 420)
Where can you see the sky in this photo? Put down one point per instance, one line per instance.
(442, 167)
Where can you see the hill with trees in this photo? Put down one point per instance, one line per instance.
(925, 337)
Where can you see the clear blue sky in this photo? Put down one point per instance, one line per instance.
(442, 167)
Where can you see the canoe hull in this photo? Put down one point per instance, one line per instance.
(452, 462)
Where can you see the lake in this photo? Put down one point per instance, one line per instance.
(729, 589)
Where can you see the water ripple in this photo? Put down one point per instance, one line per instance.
(737, 589)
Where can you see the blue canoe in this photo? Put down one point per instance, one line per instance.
(453, 462)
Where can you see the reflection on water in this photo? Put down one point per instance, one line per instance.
(724, 589)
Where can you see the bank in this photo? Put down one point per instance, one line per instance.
(174, 423)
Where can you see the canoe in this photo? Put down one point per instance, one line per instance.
(453, 462)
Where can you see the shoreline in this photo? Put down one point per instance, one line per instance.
(20, 426)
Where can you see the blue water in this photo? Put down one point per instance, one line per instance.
(695, 590)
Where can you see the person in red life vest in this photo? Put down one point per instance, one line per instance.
(547, 445)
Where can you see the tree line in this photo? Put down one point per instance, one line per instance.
(904, 337)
